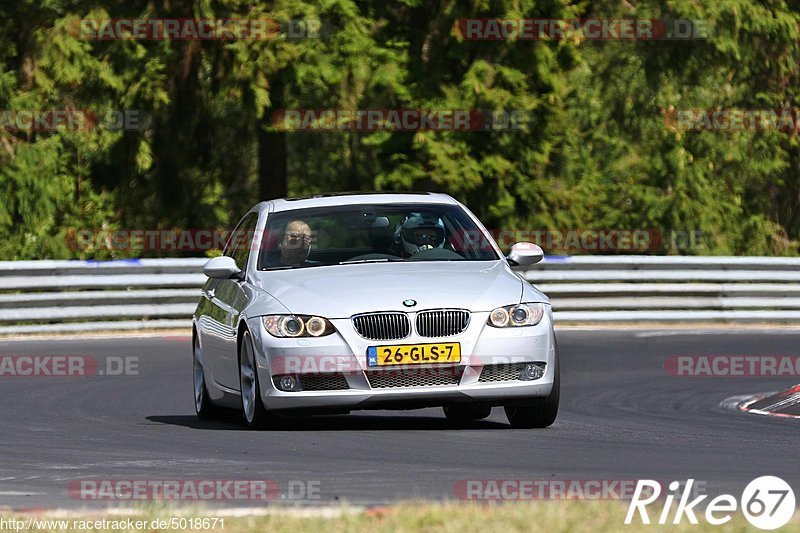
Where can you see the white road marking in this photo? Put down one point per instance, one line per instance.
(737, 331)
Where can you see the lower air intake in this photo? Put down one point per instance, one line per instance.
(331, 381)
(423, 377)
(505, 372)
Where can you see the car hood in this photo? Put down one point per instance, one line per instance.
(340, 291)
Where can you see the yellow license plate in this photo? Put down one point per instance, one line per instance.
(412, 354)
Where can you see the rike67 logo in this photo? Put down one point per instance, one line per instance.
(767, 502)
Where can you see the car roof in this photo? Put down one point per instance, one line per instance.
(338, 199)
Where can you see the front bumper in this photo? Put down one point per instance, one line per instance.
(344, 353)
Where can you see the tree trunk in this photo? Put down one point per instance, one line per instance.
(272, 148)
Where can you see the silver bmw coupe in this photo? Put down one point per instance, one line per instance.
(372, 301)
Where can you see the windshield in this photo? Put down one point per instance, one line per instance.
(361, 234)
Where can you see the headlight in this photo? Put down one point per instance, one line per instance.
(297, 326)
(516, 315)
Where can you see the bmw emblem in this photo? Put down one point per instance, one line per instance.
(409, 302)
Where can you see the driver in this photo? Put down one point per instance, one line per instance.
(420, 231)
(296, 243)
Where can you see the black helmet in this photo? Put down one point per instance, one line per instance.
(420, 231)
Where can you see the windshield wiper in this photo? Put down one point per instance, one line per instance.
(282, 267)
(381, 260)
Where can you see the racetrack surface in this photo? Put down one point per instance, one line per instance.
(623, 417)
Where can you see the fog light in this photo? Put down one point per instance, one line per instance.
(532, 371)
(287, 383)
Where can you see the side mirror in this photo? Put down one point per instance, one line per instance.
(524, 254)
(222, 267)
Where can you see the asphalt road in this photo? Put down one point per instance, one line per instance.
(622, 417)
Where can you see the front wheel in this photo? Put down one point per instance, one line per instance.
(537, 412)
(255, 415)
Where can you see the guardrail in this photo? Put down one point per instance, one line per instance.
(670, 288)
(79, 296)
(63, 296)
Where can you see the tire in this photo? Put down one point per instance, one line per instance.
(254, 413)
(465, 412)
(203, 407)
(537, 412)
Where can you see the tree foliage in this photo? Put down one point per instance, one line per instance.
(597, 150)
